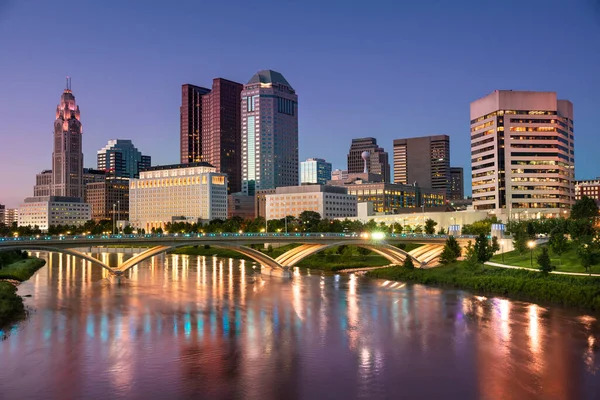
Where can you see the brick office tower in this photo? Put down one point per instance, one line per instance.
(67, 157)
(221, 130)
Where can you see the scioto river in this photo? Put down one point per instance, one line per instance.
(187, 327)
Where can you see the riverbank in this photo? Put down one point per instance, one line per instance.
(566, 262)
(327, 260)
(570, 291)
(11, 304)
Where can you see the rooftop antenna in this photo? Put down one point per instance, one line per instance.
(68, 83)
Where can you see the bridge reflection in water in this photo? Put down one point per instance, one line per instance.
(205, 327)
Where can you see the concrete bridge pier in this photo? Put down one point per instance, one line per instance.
(279, 272)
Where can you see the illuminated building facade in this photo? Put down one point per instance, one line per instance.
(377, 162)
(588, 188)
(329, 201)
(67, 157)
(315, 171)
(522, 154)
(190, 129)
(121, 159)
(109, 198)
(269, 133)
(457, 184)
(46, 211)
(189, 192)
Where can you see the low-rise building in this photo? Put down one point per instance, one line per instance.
(191, 192)
(329, 201)
(339, 174)
(109, 198)
(390, 198)
(589, 188)
(240, 205)
(46, 211)
(260, 202)
(8, 215)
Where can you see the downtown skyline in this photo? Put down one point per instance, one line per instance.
(422, 86)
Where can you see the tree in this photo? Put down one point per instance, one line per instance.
(558, 242)
(530, 230)
(495, 246)
(309, 220)
(340, 250)
(483, 226)
(430, 226)
(585, 208)
(483, 249)
(418, 229)
(520, 240)
(396, 228)
(442, 231)
(471, 255)
(128, 230)
(585, 252)
(363, 252)
(543, 260)
(408, 263)
(346, 254)
(451, 251)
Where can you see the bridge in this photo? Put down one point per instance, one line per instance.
(423, 256)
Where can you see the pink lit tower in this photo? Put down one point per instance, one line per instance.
(67, 157)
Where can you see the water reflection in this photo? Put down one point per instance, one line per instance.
(198, 327)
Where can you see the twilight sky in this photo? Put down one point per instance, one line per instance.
(387, 69)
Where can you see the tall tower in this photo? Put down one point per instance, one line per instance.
(67, 157)
(522, 154)
(269, 133)
(190, 130)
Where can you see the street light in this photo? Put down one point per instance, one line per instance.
(113, 229)
(531, 245)
(118, 211)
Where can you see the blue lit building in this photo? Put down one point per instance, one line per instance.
(121, 159)
(315, 171)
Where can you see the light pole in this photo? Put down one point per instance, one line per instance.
(113, 229)
(118, 213)
(285, 215)
(531, 245)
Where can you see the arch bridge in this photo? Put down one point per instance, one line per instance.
(424, 256)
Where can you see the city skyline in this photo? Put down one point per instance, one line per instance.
(419, 82)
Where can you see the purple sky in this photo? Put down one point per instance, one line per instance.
(387, 69)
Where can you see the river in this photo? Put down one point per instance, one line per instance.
(187, 327)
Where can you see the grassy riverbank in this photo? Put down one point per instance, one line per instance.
(328, 260)
(571, 291)
(20, 269)
(567, 262)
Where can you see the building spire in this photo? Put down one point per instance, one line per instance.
(68, 87)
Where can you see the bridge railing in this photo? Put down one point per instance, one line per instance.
(291, 235)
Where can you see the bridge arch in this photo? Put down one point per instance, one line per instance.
(394, 254)
(255, 255)
(70, 252)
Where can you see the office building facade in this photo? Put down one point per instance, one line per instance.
(221, 130)
(43, 184)
(589, 188)
(183, 192)
(190, 130)
(240, 205)
(457, 184)
(269, 133)
(424, 161)
(121, 159)
(67, 157)
(377, 161)
(522, 154)
(315, 171)
(329, 201)
(339, 175)
(109, 199)
(46, 211)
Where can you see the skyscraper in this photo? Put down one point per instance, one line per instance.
(191, 123)
(377, 163)
(315, 171)
(269, 133)
(121, 159)
(221, 130)
(424, 160)
(457, 184)
(522, 154)
(67, 157)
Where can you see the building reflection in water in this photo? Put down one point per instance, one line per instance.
(215, 328)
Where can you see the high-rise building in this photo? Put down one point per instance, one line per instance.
(67, 158)
(121, 159)
(108, 199)
(522, 154)
(376, 161)
(221, 130)
(457, 184)
(315, 171)
(43, 183)
(183, 192)
(191, 123)
(424, 160)
(269, 133)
